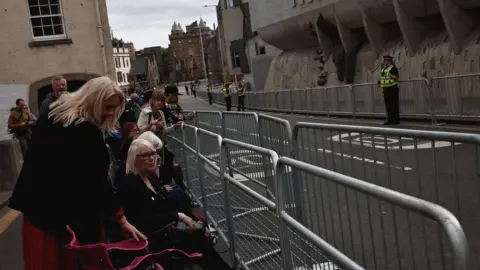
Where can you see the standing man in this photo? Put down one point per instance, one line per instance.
(209, 93)
(389, 83)
(171, 98)
(59, 86)
(19, 123)
(241, 97)
(227, 96)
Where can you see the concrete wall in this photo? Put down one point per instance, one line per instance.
(24, 62)
(427, 38)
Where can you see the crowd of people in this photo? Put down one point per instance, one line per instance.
(99, 164)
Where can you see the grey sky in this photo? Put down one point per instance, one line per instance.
(149, 22)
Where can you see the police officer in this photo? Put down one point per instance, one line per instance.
(227, 96)
(389, 83)
(209, 93)
(241, 98)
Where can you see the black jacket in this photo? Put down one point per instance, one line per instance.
(64, 180)
(146, 210)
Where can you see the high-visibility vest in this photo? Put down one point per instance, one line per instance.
(172, 106)
(240, 91)
(226, 92)
(209, 89)
(385, 80)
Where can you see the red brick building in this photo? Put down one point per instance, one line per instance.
(185, 51)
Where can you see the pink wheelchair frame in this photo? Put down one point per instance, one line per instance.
(96, 256)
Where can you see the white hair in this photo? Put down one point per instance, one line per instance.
(152, 138)
(133, 152)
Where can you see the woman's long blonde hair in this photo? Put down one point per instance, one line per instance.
(86, 104)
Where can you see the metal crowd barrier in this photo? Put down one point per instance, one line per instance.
(453, 97)
(289, 214)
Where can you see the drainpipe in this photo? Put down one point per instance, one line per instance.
(100, 35)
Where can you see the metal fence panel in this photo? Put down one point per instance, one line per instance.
(209, 120)
(378, 227)
(440, 167)
(254, 224)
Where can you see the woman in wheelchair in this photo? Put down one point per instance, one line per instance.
(149, 208)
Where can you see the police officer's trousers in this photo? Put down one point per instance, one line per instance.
(241, 103)
(228, 102)
(210, 98)
(392, 106)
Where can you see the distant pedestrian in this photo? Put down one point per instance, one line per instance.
(186, 90)
(209, 93)
(241, 98)
(19, 123)
(389, 83)
(59, 87)
(227, 96)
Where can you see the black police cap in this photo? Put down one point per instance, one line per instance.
(172, 89)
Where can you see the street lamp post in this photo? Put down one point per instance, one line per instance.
(222, 64)
(203, 54)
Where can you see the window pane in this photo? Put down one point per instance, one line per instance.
(47, 21)
(58, 30)
(43, 2)
(55, 9)
(45, 10)
(32, 2)
(37, 32)
(36, 22)
(56, 20)
(48, 30)
(54, 2)
(34, 11)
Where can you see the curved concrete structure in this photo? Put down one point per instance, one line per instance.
(424, 30)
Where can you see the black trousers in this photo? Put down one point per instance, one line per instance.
(194, 93)
(228, 102)
(241, 103)
(210, 98)
(392, 106)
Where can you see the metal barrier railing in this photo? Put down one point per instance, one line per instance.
(453, 97)
(317, 214)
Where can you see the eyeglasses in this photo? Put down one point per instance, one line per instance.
(147, 156)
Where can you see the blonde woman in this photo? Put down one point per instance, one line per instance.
(64, 177)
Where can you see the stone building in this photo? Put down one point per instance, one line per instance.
(49, 38)
(161, 57)
(213, 58)
(144, 73)
(122, 61)
(185, 52)
(313, 43)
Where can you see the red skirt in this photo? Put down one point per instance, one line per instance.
(42, 251)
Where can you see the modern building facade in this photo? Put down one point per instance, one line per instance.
(122, 61)
(185, 51)
(49, 38)
(341, 42)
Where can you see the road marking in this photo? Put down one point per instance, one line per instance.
(364, 159)
(392, 142)
(320, 266)
(8, 219)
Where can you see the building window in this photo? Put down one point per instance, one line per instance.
(228, 3)
(190, 51)
(119, 77)
(259, 49)
(126, 60)
(123, 60)
(46, 19)
(235, 60)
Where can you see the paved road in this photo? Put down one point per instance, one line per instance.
(366, 229)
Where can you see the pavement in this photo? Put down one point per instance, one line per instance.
(365, 230)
